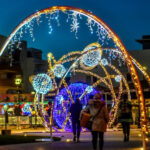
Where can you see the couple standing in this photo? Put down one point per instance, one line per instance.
(99, 123)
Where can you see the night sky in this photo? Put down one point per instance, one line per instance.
(130, 19)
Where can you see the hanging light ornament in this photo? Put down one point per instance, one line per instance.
(42, 83)
(59, 70)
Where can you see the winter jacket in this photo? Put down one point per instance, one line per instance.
(75, 110)
(102, 118)
(125, 111)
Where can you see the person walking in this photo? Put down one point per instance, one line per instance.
(97, 108)
(125, 116)
(75, 111)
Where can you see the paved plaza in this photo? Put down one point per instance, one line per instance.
(113, 141)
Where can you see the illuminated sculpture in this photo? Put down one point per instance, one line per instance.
(92, 58)
(42, 83)
(86, 60)
(63, 102)
(59, 70)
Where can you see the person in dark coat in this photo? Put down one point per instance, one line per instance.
(75, 110)
(125, 116)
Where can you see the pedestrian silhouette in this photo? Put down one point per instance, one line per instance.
(75, 110)
(125, 116)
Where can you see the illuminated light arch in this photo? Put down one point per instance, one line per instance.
(112, 35)
(61, 111)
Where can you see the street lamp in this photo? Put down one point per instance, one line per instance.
(18, 81)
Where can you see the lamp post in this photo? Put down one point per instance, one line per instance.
(18, 81)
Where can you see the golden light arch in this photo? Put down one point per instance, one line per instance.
(115, 38)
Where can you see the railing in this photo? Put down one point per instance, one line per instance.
(21, 120)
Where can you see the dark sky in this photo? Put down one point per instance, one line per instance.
(130, 19)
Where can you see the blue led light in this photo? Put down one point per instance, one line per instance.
(59, 70)
(42, 83)
(92, 58)
(62, 102)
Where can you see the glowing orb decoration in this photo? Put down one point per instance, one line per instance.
(59, 70)
(89, 89)
(118, 78)
(62, 105)
(42, 83)
(104, 62)
(26, 109)
(92, 58)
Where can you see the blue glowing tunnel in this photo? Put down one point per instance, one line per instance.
(62, 103)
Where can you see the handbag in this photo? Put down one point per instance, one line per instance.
(87, 120)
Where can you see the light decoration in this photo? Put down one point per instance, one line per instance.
(61, 98)
(118, 78)
(105, 33)
(92, 58)
(89, 89)
(73, 57)
(5, 107)
(59, 70)
(26, 109)
(104, 62)
(75, 26)
(90, 23)
(42, 83)
(61, 107)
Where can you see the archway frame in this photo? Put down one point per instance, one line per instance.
(115, 38)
